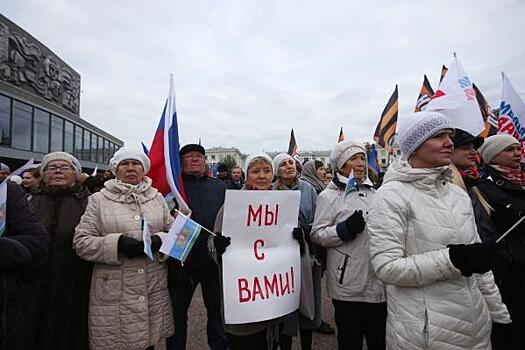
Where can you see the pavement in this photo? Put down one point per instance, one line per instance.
(197, 326)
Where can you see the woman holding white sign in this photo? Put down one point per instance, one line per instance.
(308, 316)
(120, 232)
(257, 335)
(340, 226)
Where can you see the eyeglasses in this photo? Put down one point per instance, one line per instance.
(62, 168)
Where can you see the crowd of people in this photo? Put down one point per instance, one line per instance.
(412, 263)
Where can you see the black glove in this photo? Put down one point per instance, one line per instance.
(130, 247)
(472, 258)
(352, 226)
(156, 242)
(502, 336)
(298, 234)
(221, 242)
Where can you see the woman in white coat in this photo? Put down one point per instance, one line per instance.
(424, 246)
(129, 306)
(340, 226)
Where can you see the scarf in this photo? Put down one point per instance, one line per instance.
(513, 175)
(281, 185)
(471, 176)
(309, 174)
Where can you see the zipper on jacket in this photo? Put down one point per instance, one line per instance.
(343, 269)
(425, 329)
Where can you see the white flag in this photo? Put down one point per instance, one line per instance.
(512, 114)
(456, 99)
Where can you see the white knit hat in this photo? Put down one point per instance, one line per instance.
(50, 157)
(129, 153)
(252, 158)
(277, 161)
(343, 151)
(418, 127)
(494, 144)
(4, 167)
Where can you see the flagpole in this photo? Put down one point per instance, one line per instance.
(510, 229)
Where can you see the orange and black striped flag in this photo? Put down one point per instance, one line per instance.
(425, 94)
(444, 71)
(341, 136)
(292, 145)
(386, 128)
(491, 122)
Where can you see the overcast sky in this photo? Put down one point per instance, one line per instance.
(246, 72)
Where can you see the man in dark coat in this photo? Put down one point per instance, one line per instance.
(235, 182)
(22, 243)
(61, 298)
(205, 197)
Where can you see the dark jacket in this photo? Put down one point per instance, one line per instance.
(508, 202)
(205, 197)
(23, 243)
(232, 185)
(60, 299)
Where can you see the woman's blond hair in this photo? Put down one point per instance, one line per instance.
(458, 180)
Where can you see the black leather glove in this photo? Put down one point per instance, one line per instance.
(130, 247)
(353, 225)
(472, 258)
(298, 234)
(221, 242)
(502, 336)
(156, 242)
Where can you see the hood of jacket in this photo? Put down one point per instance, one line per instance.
(426, 179)
(122, 192)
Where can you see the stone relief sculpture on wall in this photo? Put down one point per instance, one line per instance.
(32, 67)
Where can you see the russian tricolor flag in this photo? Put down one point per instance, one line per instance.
(165, 170)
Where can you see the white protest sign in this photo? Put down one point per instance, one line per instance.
(261, 274)
(512, 114)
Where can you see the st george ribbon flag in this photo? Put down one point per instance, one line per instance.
(456, 99)
(512, 114)
(181, 237)
(165, 171)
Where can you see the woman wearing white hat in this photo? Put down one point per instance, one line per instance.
(129, 301)
(340, 226)
(424, 247)
(504, 188)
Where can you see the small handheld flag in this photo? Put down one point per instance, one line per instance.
(341, 136)
(146, 238)
(181, 237)
(351, 185)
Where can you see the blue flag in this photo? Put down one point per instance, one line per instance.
(372, 160)
(351, 185)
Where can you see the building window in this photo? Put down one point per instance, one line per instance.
(41, 131)
(94, 148)
(87, 145)
(5, 120)
(22, 120)
(68, 137)
(57, 133)
(100, 149)
(106, 151)
(398, 152)
(213, 158)
(78, 142)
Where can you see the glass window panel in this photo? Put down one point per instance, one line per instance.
(57, 133)
(41, 131)
(78, 142)
(94, 157)
(100, 149)
(22, 120)
(5, 120)
(68, 137)
(106, 151)
(87, 145)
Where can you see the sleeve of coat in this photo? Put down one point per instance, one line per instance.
(26, 239)
(487, 286)
(324, 230)
(88, 242)
(387, 224)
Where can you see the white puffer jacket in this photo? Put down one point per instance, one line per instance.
(350, 276)
(414, 216)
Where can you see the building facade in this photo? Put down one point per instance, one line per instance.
(40, 105)
(216, 155)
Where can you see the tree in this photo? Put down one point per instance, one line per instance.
(229, 161)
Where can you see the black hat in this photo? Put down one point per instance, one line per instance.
(192, 147)
(462, 138)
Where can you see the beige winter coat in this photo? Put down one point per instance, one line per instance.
(129, 301)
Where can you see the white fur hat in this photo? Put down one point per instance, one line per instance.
(343, 151)
(418, 127)
(494, 144)
(129, 153)
(277, 161)
(50, 157)
(251, 158)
